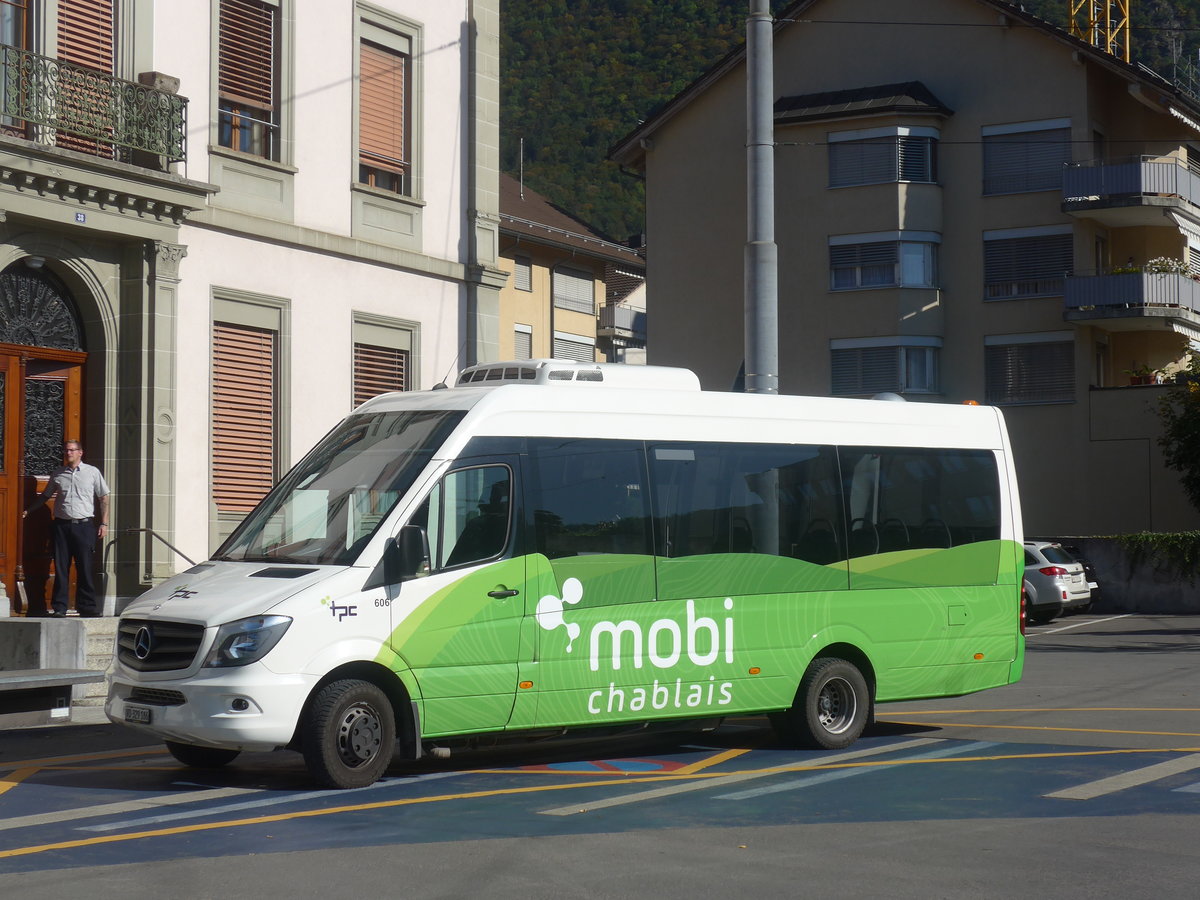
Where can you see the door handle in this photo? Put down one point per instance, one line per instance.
(502, 593)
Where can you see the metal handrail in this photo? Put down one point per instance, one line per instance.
(152, 533)
(86, 103)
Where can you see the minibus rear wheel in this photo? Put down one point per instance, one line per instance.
(349, 734)
(201, 757)
(831, 709)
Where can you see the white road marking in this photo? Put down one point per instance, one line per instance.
(1134, 778)
(127, 806)
(266, 801)
(1080, 625)
(704, 784)
(824, 777)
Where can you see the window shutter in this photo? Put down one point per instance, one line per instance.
(1030, 373)
(522, 345)
(862, 162)
(381, 103)
(1027, 266)
(522, 274)
(1025, 161)
(865, 370)
(576, 350)
(246, 53)
(917, 159)
(378, 370)
(574, 290)
(243, 416)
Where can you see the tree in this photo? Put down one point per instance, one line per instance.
(1179, 410)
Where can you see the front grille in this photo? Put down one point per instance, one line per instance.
(165, 645)
(156, 697)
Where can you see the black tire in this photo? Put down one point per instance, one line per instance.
(831, 708)
(201, 757)
(349, 734)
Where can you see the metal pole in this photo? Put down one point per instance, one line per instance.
(762, 256)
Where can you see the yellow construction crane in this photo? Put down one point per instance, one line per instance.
(1103, 24)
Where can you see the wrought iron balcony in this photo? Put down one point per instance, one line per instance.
(1128, 191)
(1129, 300)
(54, 102)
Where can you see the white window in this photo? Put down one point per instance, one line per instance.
(903, 365)
(1026, 262)
(1026, 156)
(882, 155)
(1029, 368)
(896, 262)
(574, 290)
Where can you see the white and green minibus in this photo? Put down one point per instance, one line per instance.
(549, 546)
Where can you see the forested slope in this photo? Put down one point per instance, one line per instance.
(577, 75)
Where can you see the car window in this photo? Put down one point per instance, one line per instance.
(1056, 554)
(1030, 559)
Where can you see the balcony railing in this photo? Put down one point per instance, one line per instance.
(1133, 290)
(625, 319)
(1141, 175)
(53, 102)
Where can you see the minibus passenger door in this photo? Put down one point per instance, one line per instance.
(458, 627)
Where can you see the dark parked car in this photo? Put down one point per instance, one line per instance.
(1089, 572)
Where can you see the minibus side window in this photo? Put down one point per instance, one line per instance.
(468, 516)
(589, 497)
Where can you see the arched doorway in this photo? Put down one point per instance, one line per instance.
(41, 405)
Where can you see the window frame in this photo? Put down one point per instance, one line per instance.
(387, 333)
(1008, 147)
(1038, 372)
(1032, 255)
(907, 350)
(878, 251)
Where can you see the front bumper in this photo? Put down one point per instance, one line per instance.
(250, 709)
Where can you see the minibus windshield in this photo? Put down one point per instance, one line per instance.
(325, 510)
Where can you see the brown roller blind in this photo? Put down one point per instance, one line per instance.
(381, 100)
(378, 370)
(85, 33)
(85, 38)
(245, 57)
(243, 416)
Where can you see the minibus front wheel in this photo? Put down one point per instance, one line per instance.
(349, 734)
(831, 707)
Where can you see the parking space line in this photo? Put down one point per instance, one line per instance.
(113, 809)
(720, 780)
(1078, 625)
(258, 803)
(82, 758)
(1045, 728)
(822, 778)
(1133, 778)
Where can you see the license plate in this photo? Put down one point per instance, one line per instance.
(139, 714)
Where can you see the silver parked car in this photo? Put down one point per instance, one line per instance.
(1054, 575)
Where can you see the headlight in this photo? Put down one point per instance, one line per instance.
(245, 641)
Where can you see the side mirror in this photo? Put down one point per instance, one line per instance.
(408, 556)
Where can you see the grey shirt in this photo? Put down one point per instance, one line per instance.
(77, 490)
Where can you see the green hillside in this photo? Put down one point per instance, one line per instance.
(577, 75)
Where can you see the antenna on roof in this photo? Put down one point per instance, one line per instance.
(521, 167)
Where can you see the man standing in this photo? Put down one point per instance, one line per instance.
(77, 487)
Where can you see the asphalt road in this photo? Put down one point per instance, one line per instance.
(1081, 781)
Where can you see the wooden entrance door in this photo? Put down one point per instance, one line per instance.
(42, 397)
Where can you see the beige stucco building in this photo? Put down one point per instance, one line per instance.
(571, 292)
(225, 223)
(967, 199)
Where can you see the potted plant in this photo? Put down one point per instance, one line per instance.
(1143, 374)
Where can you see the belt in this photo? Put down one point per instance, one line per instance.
(72, 521)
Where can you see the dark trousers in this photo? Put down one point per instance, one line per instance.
(74, 541)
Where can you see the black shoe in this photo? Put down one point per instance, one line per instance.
(55, 614)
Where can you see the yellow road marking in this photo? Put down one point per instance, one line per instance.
(12, 779)
(1047, 728)
(711, 761)
(682, 770)
(82, 757)
(541, 788)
